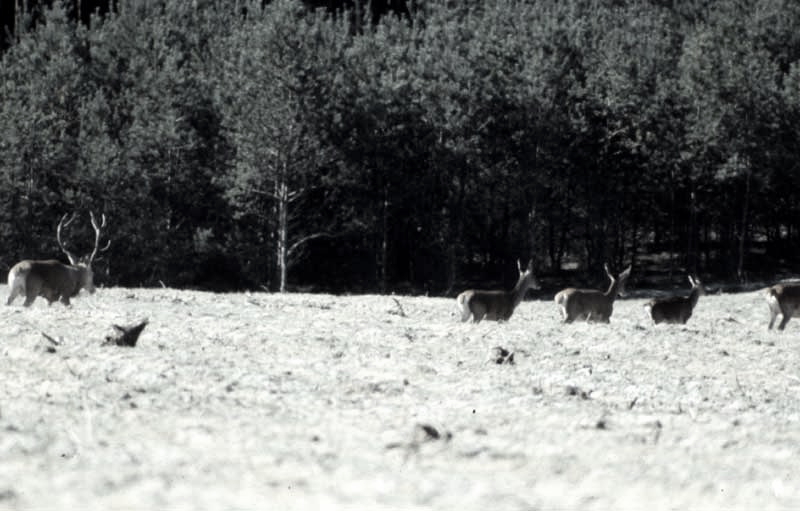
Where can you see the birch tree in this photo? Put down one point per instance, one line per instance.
(271, 64)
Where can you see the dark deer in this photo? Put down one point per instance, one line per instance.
(591, 304)
(496, 305)
(52, 279)
(676, 309)
(783, 299)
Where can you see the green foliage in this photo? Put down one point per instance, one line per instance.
(245, 144)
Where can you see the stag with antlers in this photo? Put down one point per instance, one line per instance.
(52, 279)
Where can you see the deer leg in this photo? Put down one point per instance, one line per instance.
(774, 310)
(772, 317)
(17, 288)
(479, 311)
(788, 311)
(463, 306)
(593, 317)
(787, 315)
(29, 298)
(65, 300)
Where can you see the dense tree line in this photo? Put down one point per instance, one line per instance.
(249, 143)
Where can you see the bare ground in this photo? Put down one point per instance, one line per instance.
(314, 401)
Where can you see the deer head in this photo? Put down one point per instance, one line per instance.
(617, 286)
(84, 262)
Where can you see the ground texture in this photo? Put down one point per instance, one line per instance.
(376, 402)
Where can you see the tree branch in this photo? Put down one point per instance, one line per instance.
(305, 239)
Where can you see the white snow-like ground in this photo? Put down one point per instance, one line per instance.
(266, 401)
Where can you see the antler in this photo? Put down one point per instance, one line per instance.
(62, 223)
(608, 272)
(97, 230)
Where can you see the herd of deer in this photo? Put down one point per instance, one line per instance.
(595, 305)
(54, 280)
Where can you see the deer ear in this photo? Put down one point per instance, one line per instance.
(519, 266)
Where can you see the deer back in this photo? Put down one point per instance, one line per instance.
(676, 309)
(497, 305)
(591, 304)
(588, 303)
(785, 292)
(51, 278)
(670, 310)
(490, 304)
(783, 299)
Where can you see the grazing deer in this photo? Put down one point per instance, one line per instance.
(496, 305)
(783, 299)
(591, 304)
(676, 309)
(53, 279)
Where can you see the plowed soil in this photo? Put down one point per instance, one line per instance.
(375, 402)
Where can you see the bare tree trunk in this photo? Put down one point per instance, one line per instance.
(706, 245)
(634, 240)
(672, 234)
(385, 241)
(455, 231)
(743, 232)
(566, 217)
(282, 196)
(691, 249)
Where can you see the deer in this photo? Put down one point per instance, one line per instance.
(676, 309)
(591, 304)
(783, 299)
(52, 279)
(496, 305)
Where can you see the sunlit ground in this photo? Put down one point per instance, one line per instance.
(316, 401)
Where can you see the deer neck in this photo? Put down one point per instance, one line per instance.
(694, 296)
(83, 276)
(519, 290)
(613, 289)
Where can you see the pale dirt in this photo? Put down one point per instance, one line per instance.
(311, 401)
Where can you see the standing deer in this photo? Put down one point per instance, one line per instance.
(496, 305)
(676, 309)
(783, 299)
(53, 279)
(591, 304)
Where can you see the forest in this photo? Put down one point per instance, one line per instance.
(410, 147)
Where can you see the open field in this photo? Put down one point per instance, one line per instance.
(312, 401)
